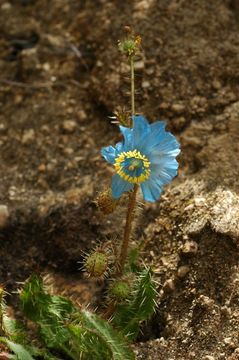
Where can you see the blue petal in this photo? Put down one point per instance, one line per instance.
(151, 189)
(165, 170)
(119, 186)
(119, 147)
(156, 133)
(162, 173)
(141, 128)
(109, 153)
(158, 126)
(161, 159)
(160, 143)
(127, 133)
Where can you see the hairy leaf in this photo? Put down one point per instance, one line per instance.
(63, 327)
(13, 329)
(100, 339)
(140, 307)
(38, 305)
(19, 350)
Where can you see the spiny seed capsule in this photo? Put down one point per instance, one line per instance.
(120, 290)
(105, 202)
(96, 264)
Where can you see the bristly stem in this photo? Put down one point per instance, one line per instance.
(131, 206)
(132, 85)
(132, 195)
(124, 246)
(127, 230)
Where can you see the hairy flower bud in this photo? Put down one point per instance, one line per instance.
(96, 263)
(130, 46)
(120, 290)
(105, 202)
(123, 117)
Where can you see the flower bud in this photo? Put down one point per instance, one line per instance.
(130, 45)
(105, 202)
(120, 290)
(123, 117)
(96, 263)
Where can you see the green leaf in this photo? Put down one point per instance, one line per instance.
(38, 305)
(17, 349)
(50, 312)
(133, 258)
(65, 328)
(140, 307)
(87, 344)
(102, 340)
(13, 329)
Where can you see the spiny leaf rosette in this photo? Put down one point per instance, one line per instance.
(146, 157)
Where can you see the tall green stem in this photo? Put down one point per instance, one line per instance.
(132, 85)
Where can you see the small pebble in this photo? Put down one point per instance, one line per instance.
(12, 192)
(3, 129)
(46, 67)
(68, 151)
(42, 168)
(226, 310)
(139, 65)
(69, 126)
(169, 285)
(178, 108)
(6, 6)
(18, 99)
(28, 136)
(200, 201)
(221, 356)
(216, 84)
(150, 71)
(164, 106)
(227, 340)
(145, 84)
(4, 215)
(45, 129)
(183, 271)
(179, 122)
(73, 194)
(82, 115)
(209, 357)
(189, 248)
(189, 207)
(205, 300)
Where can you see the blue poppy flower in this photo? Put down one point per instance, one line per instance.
(147, 157)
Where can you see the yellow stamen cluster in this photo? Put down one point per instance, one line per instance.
(135, 155)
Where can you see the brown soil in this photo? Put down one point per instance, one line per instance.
(61, 77)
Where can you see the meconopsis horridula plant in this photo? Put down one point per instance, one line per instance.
(143, 162)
